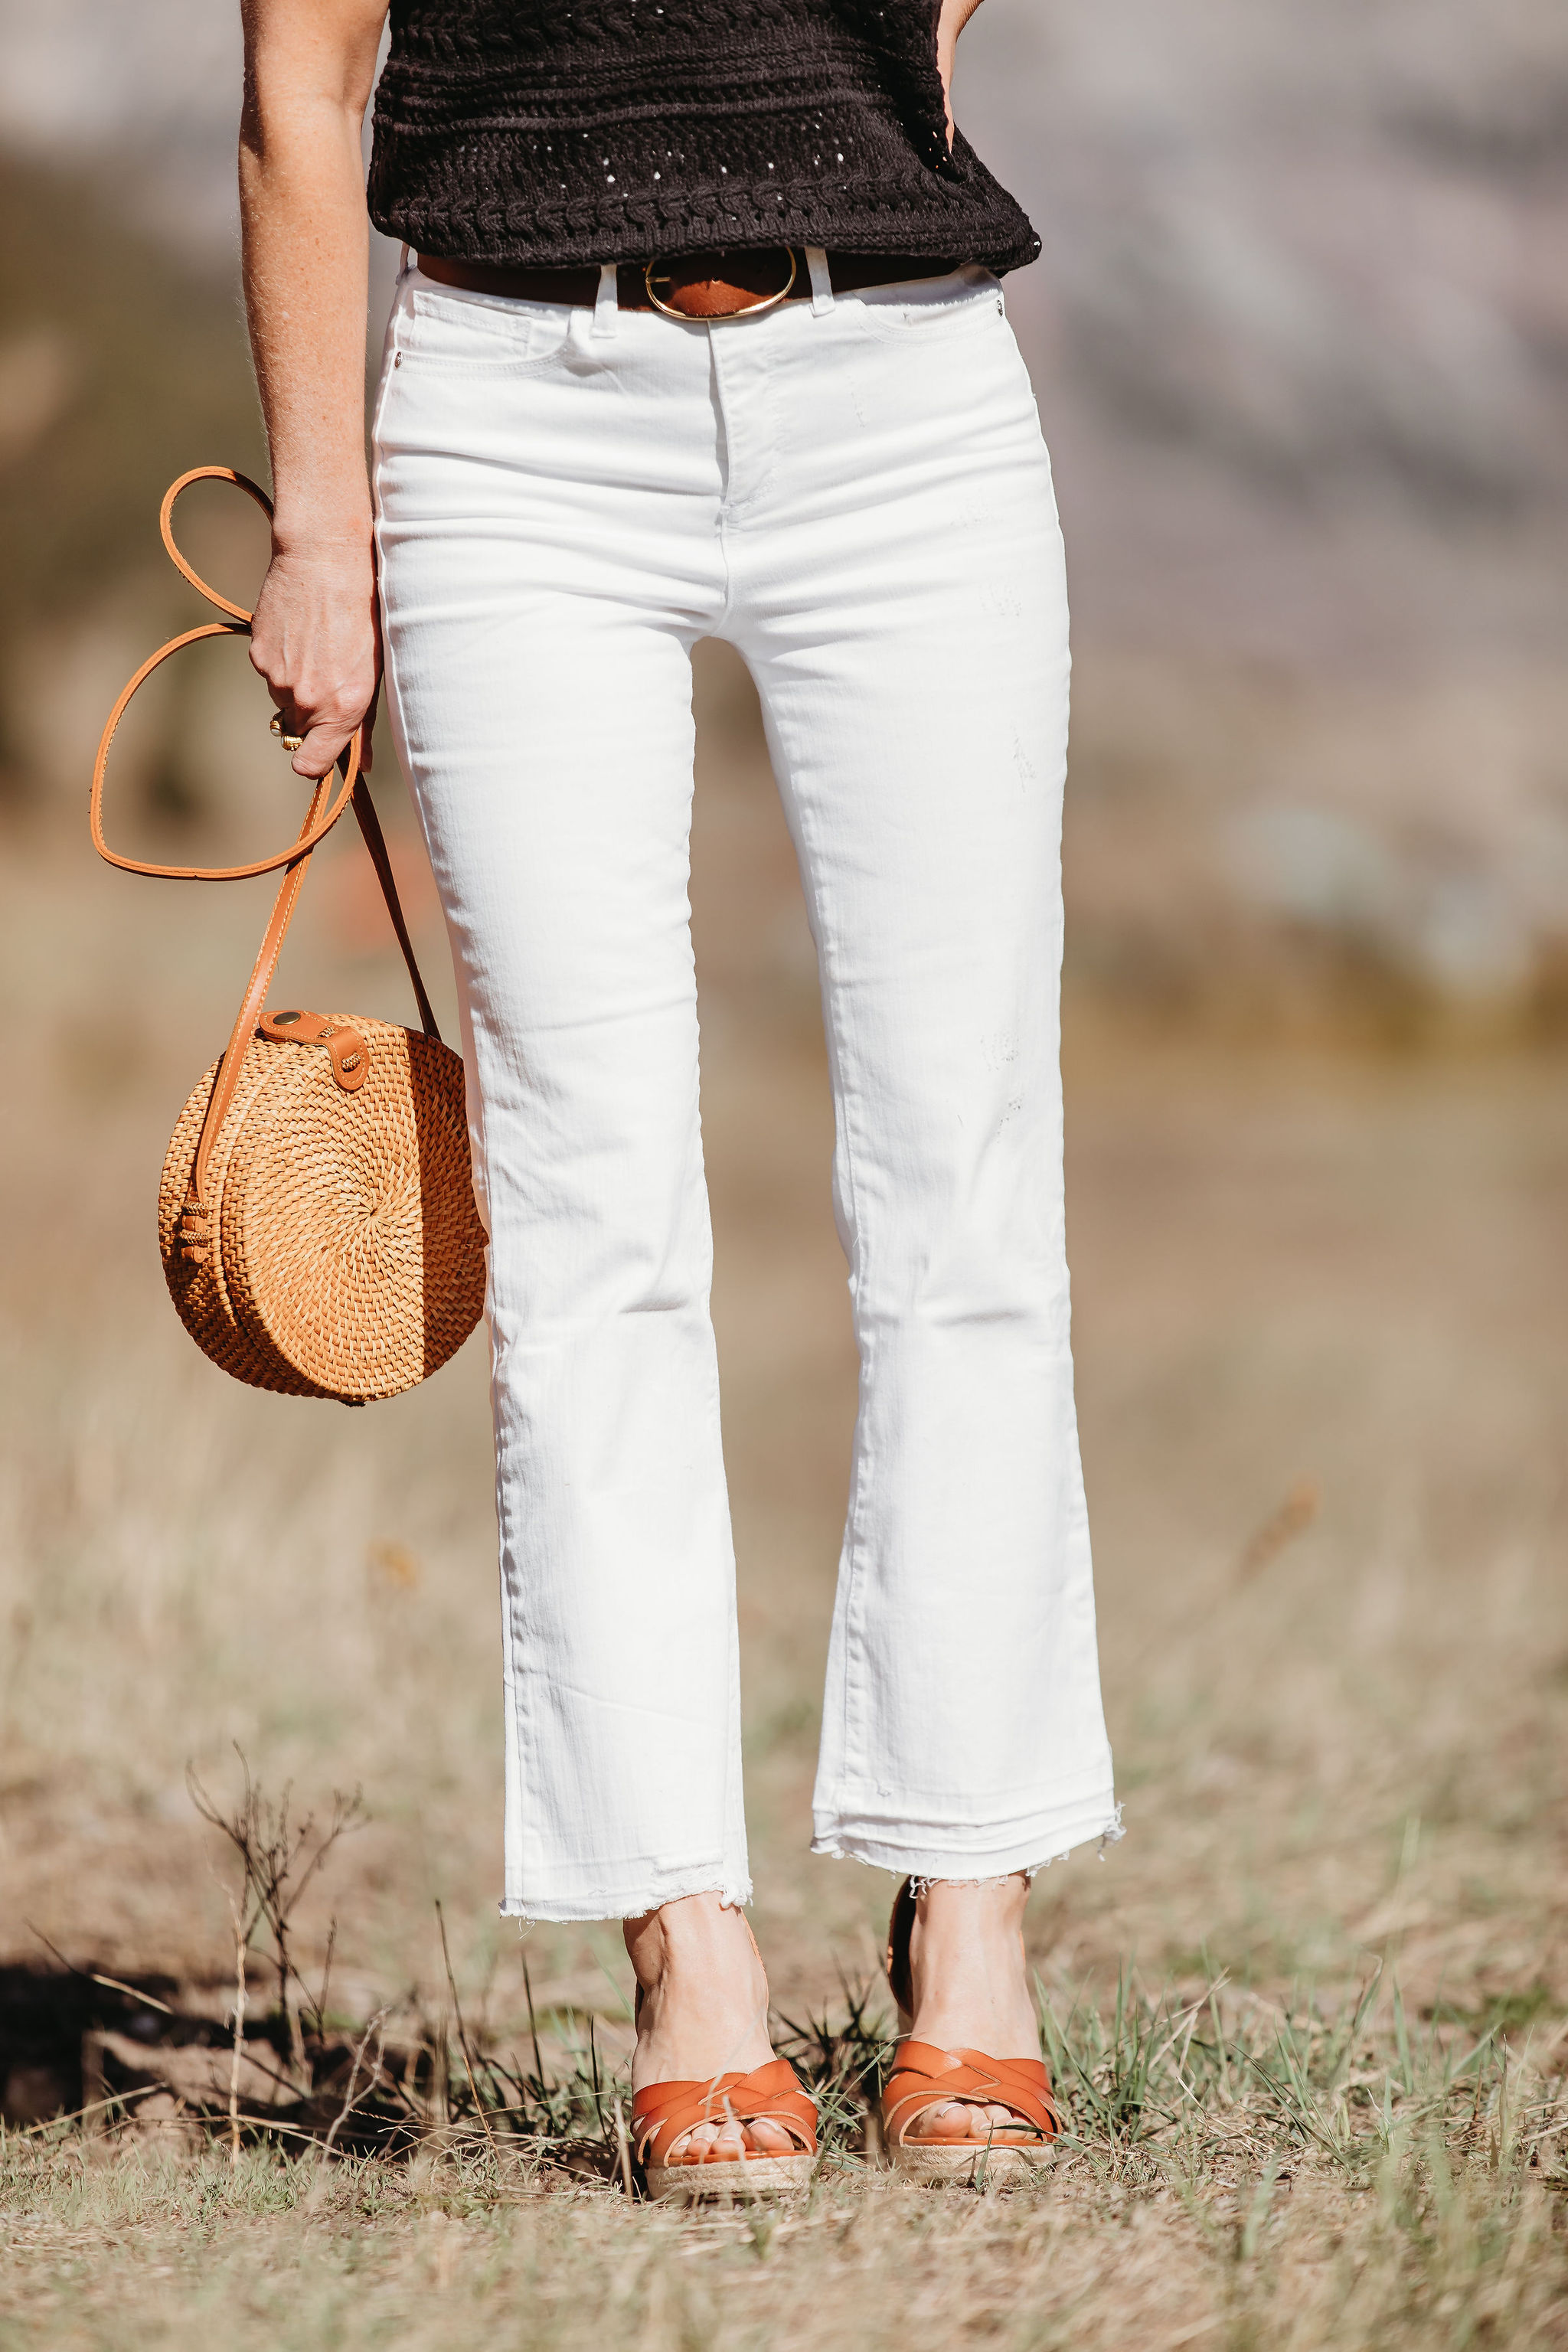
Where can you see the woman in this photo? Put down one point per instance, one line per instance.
(699, 334)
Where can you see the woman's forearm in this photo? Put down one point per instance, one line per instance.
(308, 76)
(310, 64)
(955, 15)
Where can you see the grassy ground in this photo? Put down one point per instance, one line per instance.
(1319, 1316)
(1227, 2179)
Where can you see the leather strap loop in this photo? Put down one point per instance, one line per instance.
(236, 625)
(306, 840)
(253, 491)
(319, 819)
(341, 1043)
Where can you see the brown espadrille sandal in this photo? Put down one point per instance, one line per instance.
(924, 2077)
(663, 2112)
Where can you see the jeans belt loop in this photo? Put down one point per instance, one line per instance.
(608, 302)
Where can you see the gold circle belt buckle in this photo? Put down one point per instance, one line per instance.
(703, 317)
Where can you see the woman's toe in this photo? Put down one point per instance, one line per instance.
(766, 2138)
(948, 2121)
(972, 2122)
(727, 2141)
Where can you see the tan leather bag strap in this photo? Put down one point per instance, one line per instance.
(251, 1006)
(319, 818)
(236, 625)
(375, 842)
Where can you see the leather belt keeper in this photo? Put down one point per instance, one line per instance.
(697, 285)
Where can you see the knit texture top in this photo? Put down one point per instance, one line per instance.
(560, 132)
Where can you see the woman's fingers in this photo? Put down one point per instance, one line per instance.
(325, 717)
(323, 742)
(326, 730)
(315, 639)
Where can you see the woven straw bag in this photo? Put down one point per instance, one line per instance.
(316, 1215)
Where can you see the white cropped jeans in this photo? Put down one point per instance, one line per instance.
(854, 493)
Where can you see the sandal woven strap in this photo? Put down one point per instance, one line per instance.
(924, 2077)
(661, 2112)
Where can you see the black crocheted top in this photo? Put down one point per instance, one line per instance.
(556, 131)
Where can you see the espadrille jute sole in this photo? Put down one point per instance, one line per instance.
(745, 2177)
(1009, 2165)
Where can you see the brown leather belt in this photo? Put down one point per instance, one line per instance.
(694, 286)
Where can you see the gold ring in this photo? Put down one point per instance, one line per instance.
(717, 318)
(275, 728)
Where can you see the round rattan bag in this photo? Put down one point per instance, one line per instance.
(316, 1216)
(342, 1255)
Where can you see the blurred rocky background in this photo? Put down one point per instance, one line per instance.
(1300, 339)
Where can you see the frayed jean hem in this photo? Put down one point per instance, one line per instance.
(546, 1910)
(1098, 1822)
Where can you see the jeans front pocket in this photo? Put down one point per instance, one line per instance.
(934, 307)
(458, 330)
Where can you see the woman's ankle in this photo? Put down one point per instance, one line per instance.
(696, 1932)
(967, 1969)
(703, 1995)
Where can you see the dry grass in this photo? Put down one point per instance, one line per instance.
(1320, 1317)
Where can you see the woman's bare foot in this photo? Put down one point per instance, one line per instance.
(704, 2011)
(971, 1989)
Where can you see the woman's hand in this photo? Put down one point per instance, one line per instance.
(316, 640)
